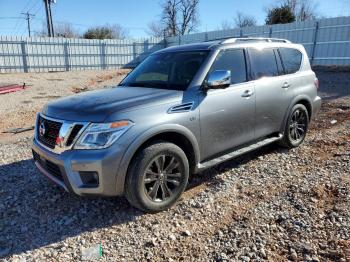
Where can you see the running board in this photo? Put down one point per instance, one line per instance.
(238, 152)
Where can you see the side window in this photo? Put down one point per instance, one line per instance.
(233, 60)
(291, 59)
(263, 63)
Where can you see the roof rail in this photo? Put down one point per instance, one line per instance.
(254, 39)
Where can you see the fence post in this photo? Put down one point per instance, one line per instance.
(103, 56)
(24, 56)
(179, 39)
(66, 55)
(206, 36)
(165, 42)
(314, 43)
(134, 53)
(145, 46)
(270, 31)
(241, 32)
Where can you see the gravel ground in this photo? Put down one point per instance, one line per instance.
(271, 204)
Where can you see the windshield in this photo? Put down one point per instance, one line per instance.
(172, 70)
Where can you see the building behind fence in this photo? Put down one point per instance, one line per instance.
(327, 42)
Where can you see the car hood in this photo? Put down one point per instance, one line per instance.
(96, 106)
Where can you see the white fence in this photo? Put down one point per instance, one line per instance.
(43, 54)
(327, 42)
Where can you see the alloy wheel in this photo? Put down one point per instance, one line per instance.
(162, 177)
(298, 125)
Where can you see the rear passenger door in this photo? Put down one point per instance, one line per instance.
(272, 89)
(227, 115)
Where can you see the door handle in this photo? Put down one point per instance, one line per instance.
(247, 93)
(285, 85)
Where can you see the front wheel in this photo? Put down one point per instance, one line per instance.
(157, 177)
(296, 127)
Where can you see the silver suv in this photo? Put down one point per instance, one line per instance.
(182, 110)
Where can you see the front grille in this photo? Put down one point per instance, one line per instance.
(52, 129)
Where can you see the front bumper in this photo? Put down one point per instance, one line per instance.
(67, 169)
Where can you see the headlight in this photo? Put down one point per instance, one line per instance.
(98, 136)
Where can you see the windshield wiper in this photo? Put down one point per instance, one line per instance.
(145, 84)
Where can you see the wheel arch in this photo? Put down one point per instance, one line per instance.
(301, 99)
(177, 134)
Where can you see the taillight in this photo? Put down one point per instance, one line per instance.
(317, 83)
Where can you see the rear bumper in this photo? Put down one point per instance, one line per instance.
(316, 106)
(68, 168)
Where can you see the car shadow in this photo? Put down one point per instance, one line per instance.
(34, 212)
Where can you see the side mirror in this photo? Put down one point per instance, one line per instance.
(218, 79)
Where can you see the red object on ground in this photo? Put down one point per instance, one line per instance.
(11, 88)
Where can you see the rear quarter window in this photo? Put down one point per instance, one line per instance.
(291, 59)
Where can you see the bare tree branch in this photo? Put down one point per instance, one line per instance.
(225, 25)
(178, 17)
(242, 20)
(169, 16)
(303, 10)
(156, 29)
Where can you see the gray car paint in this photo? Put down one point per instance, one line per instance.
(218, 120)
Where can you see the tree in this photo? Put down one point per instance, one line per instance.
(178, 17)
(226, 25)
(155, 29)
(242, 20)
(106, 32)
(65, 30)
(188, 16)
(303, 10)
(170, 17)
(280, 15)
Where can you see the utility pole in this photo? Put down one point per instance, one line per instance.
(49, 18)
(28, 17)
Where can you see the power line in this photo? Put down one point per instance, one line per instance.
(34, 6)
(20, 21)
(10, 17)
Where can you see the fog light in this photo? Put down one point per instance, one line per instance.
(89, 178)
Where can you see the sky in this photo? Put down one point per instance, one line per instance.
(135, 15)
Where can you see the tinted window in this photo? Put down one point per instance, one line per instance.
(234, 61)
(291, 59)
(171, 70)
(263, 62)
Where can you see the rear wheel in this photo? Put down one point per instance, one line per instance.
(157, 176)
(296, 127)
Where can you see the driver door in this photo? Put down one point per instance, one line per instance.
(227, 116)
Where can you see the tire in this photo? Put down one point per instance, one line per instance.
(156, 177)
(296, 127)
